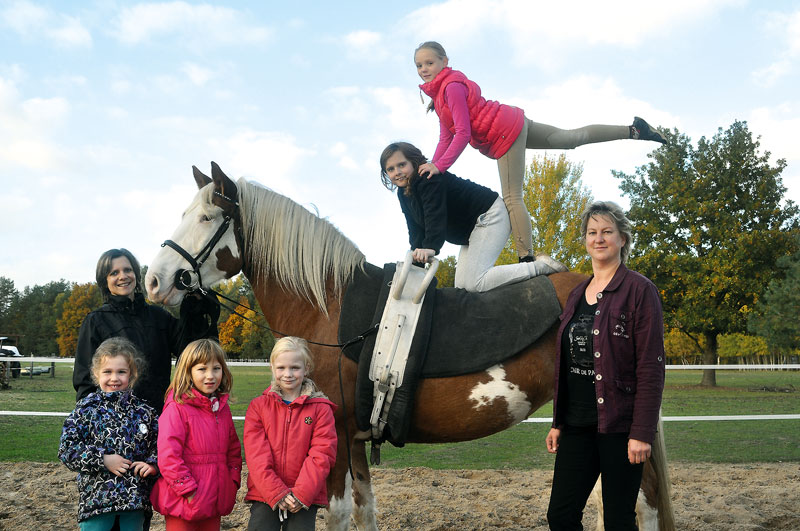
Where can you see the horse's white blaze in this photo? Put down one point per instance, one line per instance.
(192, 234)
(498, 387)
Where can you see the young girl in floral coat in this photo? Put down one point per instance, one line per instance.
(110, 440)
(198, 450)
(289, 443)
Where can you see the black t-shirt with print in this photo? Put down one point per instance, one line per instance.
(577, 350)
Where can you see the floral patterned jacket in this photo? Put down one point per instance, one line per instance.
(109, 423)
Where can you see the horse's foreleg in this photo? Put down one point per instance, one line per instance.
(364, 511)
(340, 501)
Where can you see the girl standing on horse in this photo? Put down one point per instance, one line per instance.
(198, 450)
(110, 440)
(447, 208)
(500, 132)
(290, 443)
(609, 376)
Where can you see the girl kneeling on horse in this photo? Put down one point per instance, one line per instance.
(447, 208)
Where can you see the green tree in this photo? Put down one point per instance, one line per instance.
(33, 315)
(709, 225)
(83, 299)
(446, 274)
(8, 296)
(775, 317)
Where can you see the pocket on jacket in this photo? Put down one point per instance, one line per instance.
(620, 322)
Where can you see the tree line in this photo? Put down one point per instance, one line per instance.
(47, 318)
(712, 229)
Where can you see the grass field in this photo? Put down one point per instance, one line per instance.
(737, 393)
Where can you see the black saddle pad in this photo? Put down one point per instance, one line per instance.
(469, 332)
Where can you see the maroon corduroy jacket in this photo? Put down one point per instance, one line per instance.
(628, 349)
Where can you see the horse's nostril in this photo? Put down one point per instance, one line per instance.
(153, 287)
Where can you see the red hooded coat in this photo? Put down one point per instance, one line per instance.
(198, 450)
(289, 447)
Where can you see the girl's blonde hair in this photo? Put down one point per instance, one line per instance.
(293, 344)
(201, 351)
(113, 347)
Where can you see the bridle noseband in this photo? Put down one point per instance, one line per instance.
(191, 280)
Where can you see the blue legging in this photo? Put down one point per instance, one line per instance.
(583, 454)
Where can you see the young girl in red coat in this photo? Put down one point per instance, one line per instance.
(500, 132)
(289, 443)
(199, 454)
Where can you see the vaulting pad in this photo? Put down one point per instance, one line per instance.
(469, 332)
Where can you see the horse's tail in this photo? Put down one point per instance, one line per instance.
(658, 459)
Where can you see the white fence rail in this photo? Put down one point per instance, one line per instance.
(692, 418)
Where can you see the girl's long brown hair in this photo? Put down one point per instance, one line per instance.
(201, 351)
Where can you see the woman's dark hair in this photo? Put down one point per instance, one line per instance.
(410, 152)
(104, 268)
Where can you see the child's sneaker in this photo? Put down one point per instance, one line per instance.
(641, 130)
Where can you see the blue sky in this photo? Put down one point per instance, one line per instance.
(106, 105)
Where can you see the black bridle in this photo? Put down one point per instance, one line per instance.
(191, 280)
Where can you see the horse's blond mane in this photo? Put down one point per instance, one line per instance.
(290, 244)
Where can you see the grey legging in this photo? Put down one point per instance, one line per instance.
(512, 167)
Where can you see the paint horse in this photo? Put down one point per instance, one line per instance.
(299, 266)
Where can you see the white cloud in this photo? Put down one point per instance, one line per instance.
(770, 75)
(270, 157)
(27, 126)
(542, 32)
(366, 46)
(197, 74)
(193, 25)
(32, 21)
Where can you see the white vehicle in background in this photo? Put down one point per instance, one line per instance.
(14, 366)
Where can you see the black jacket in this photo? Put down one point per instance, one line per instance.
(155, 333)
(443, 208)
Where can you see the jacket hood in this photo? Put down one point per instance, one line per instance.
(308, 391)
(199, 400)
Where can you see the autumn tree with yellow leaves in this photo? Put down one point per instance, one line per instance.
(81, 300)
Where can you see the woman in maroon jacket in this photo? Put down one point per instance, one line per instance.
(609, 376)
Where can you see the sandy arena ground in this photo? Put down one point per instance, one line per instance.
(35, 496)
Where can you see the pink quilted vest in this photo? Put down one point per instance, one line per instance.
(494, 126)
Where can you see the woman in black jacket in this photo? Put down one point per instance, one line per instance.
(153, 330)
(443, 208)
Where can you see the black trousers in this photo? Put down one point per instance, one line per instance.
(263, 518)
(582, 455)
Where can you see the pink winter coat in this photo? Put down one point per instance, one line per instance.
(289, 447)
(198, 450)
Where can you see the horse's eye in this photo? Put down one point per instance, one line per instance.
(204, 218)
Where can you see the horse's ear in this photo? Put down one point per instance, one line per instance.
(222, 183)
(200, 178)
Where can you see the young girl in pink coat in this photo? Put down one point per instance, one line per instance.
(289, 443)
(500, 132)
(199, 454)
